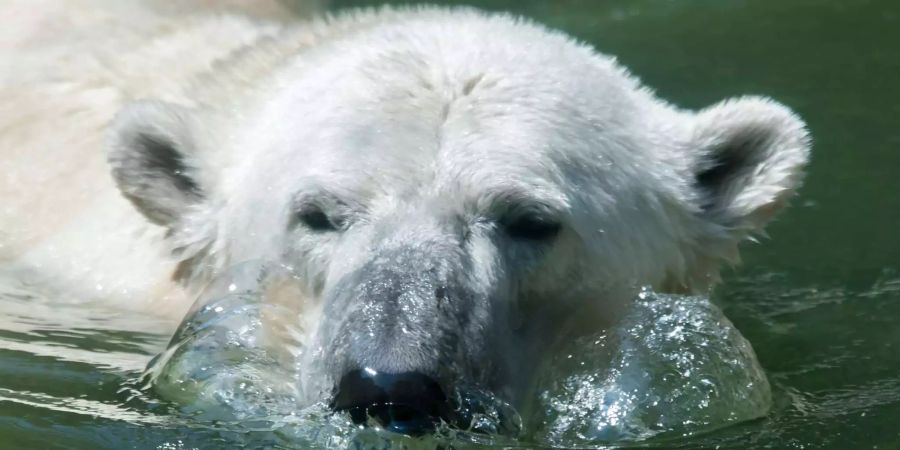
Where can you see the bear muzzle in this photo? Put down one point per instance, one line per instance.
(406, 338)
(410, 403)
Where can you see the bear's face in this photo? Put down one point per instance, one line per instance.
(451, 215)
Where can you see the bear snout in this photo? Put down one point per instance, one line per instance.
(402, 335)
(410, 403)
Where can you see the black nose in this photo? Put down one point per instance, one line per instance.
(408, 403)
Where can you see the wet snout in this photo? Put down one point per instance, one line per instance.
(406, 332)
(409, 403)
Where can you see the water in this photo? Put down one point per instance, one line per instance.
(677, 367)
(818, 302)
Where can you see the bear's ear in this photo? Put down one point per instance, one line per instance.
(152, 162)
(749, 156)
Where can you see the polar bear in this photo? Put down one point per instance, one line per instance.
(455, 190)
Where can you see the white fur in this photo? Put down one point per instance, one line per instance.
(424, 113)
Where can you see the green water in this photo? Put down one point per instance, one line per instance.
(820, 301)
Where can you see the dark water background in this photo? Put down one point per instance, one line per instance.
(820, 301)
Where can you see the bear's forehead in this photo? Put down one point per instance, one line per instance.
(430, 132)
(418, 159)
(462, 174)
(417, 119)
(458, 150)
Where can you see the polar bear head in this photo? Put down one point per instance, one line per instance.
(456, 193)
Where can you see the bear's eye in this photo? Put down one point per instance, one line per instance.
(531, 227)
(315, 219)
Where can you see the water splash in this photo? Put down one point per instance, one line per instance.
(675, 365)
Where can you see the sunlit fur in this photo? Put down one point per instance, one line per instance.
(423, 129)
